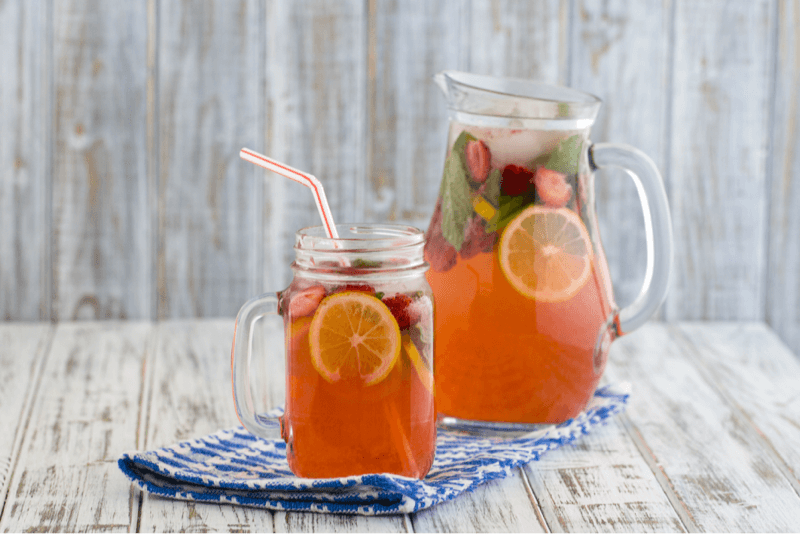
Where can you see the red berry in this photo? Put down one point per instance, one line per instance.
(400, 306)
(476, 239)
(478, 160)
(552, 187)
(439, 253)
(306, 301)
(516, 180)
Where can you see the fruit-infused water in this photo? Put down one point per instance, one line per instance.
(524, 308)
(359, 378)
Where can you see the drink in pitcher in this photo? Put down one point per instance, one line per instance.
(524, 308)
(358, 322)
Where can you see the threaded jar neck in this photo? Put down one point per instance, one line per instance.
(363, 250)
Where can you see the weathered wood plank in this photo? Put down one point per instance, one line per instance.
(409, 42)
(190, 396)
(24, 180)
(758, 375)
(712, 462)
(520, 39)
(497, 506)
(783, 264)
(620, 52)
(102, 240)
(23, 348)
(316, 122)
(720, 107)
(310, 522)
(210, 105)
(602, 483)
(84, 416)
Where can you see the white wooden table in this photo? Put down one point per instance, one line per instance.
(710, 440)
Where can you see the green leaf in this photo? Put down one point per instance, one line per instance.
(492, 190)
(509, 207)
(456, 194)
(461, 142)
(359, 263)
(566, 155)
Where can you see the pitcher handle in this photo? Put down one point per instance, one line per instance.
(241, 357)
(657, 225)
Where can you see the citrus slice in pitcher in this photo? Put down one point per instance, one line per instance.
(354, 338)
(546, 253)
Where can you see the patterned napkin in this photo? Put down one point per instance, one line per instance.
(233, 466)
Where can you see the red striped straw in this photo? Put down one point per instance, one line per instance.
(300, 177)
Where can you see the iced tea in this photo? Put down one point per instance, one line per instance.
(524, 307)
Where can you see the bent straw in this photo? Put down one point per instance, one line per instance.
(300, 177)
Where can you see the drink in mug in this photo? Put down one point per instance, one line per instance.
(509, 236)
(358, 322)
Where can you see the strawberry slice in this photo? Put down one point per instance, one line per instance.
(305, 302)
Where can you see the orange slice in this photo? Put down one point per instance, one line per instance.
(546, 253)
(425, 375)
(355, 338)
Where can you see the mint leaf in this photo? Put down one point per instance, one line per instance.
(491, 190)
(508, 208)
(461, 142)
(359, 263)
(456, 193)
(566, 155)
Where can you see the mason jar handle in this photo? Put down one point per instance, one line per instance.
(241, 357)
(657, 226)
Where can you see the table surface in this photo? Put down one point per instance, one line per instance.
(710, 440)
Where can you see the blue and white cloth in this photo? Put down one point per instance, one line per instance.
(233, 466)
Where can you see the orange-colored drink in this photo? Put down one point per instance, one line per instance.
(524, 312)
(346, 427)
(358, 325)
(359, 358)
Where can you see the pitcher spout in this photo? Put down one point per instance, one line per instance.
(441, 80)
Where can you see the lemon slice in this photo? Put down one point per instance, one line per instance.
(424, 374)
(546, 253)
(354, 338)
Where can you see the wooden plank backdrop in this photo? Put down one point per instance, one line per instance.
(122, 194)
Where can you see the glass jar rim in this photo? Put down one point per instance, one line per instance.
(359, 237)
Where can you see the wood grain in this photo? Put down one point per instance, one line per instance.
(316, 122)
(189, 396)
(210, 106)
(520, 39)
(603, 484)
(22, 351)
(409, 42)
(712, 462)
(24, 178)
(718, 184)
(85, 414)
(759, 376)
(498, 506)
(122, 195)
(101, 242)
(782, 281)
(621, 51)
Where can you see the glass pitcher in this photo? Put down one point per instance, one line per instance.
(525, 310)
